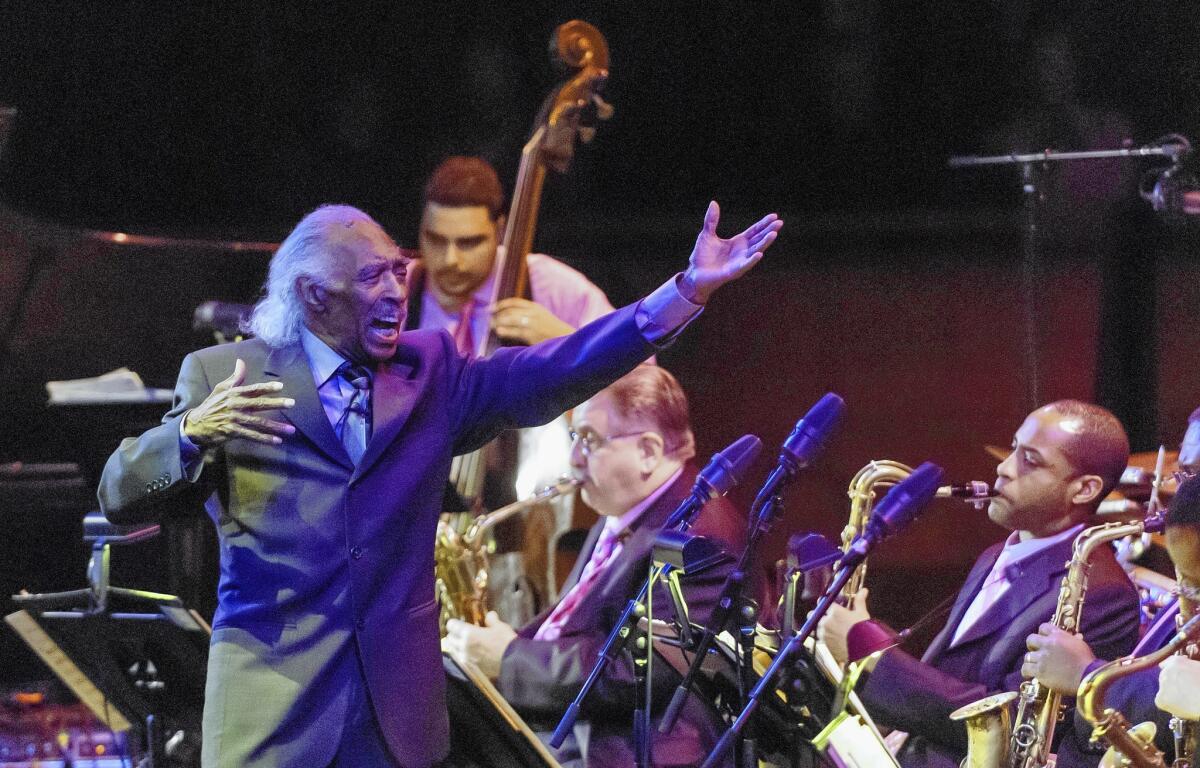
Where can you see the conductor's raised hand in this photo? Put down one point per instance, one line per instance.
(716, 261)
(233, 409)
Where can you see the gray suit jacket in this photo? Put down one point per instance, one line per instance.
(326, 567)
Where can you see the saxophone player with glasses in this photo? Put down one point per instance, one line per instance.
(632, 449)
(1065, 458)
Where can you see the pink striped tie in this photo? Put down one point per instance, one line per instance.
(607, 548)
(464, 339)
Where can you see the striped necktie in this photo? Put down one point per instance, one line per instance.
(354, 426)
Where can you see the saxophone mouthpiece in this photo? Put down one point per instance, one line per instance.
(976, 492)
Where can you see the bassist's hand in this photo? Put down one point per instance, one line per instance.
(526, 322)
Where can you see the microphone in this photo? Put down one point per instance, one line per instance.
(727, 467)
(724, 470)
(1171, 191)
(898, 508)
(808, 438)
(802, 446)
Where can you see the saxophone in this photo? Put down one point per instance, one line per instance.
(851, 728)
(1038, 708)
(881, 473)
(1135, 746)
(460, 557)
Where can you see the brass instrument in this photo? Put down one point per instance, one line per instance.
(1133, 746)
(1039, 709)
(864, 736)
(989, 730)
(461, 556)
(882, 473)
(885, 473)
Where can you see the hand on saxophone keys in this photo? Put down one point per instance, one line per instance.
(1179, 687)
(482, 646)
(833, 629)
(1057, 658)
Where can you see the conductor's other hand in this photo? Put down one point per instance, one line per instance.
(234, 409)
(716, 261)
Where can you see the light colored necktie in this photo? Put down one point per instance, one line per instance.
(464, 338)
(354, 426)
(994, 586)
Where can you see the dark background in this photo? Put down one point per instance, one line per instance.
(897, 282)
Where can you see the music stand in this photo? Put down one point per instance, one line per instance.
(137, 659)
(139, 673)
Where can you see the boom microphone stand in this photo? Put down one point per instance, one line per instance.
(1173, 147)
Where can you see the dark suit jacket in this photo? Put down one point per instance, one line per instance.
(541, 677)
(918, 696)
(324, 563)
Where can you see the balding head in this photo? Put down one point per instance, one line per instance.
(1096, 443)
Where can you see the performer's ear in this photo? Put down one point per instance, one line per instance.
(651, 449)
(312, 293)
(1087, 489)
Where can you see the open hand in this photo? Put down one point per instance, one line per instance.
(231, 410)
(716, 261)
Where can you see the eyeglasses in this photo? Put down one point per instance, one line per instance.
(590, 442)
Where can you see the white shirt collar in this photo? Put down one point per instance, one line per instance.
(1016, 550)
(322, 360)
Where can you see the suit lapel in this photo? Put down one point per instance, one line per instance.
(290, 366)
(966, 596)
(627, 572)
(393, 397)
(1029, 580)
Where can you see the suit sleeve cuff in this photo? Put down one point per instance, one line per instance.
(664, 314)
(191, 457)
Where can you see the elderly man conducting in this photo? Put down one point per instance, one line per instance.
(321, 447)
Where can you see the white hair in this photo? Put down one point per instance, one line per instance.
(278, 316)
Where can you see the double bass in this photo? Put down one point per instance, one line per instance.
(568, 115)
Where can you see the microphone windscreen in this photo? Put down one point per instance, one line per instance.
(727, 468)
(808, 438)
(905, 500)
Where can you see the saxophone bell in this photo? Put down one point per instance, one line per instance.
(989, 726)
